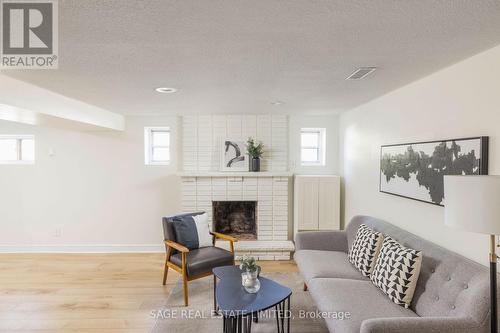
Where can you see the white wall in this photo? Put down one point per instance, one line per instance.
(96, 190)
(96, 194)
(460, 101)
(330, 123)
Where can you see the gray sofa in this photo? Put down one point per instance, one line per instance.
(452, 293)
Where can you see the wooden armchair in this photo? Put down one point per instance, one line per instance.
(194, 264)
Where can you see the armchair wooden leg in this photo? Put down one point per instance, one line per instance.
(184, 278)
(185, 291)
(185, 284)
(215, 291)
(165, 273)
(167, 258)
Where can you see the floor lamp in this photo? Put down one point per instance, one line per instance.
(472, 203)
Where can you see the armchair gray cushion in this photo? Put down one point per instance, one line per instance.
(204, 259)
(185, 232)
(168, 231)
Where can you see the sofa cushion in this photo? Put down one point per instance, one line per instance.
(353, 300)
(397, 271)
(365, 248)
(326, 264)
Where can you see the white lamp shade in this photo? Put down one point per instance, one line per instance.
(472, 203)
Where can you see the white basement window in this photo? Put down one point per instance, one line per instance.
(157, 145)
(17, 149)
(312, 146)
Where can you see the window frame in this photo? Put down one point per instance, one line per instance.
(19, 139)
(321, 132)
(149, 144)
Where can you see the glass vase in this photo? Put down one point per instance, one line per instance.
(252, 283)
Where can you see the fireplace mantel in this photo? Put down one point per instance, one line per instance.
(235, 174)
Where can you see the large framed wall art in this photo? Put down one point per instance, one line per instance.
(416, 170)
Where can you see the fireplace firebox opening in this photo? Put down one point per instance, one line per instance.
(236, 218)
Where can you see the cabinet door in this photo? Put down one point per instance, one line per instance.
(329, 203)
(307, 203)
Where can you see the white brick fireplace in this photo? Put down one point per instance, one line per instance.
(271, 194)
(202, 183)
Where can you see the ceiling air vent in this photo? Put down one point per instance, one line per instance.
(361, 73)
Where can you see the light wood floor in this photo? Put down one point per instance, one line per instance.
(92, 293)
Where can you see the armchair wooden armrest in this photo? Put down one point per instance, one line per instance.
(231, 239)
(224, 237)
(178, 247)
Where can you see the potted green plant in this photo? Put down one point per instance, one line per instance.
(255, 151)
(250, 276)
(248, 264)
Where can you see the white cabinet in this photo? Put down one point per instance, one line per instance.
(316, 203)
(307, 203)
(329, 203)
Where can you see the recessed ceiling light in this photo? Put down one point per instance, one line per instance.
(277, 103)
(361, 73)
(166, 90)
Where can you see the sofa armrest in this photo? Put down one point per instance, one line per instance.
(420, 325)
(321, 240)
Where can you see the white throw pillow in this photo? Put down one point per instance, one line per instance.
(364, 249)
(397, 270)
(204, 236)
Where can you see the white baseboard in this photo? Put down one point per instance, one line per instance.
(70, 248)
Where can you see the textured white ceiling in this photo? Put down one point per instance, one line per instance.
(237, 56)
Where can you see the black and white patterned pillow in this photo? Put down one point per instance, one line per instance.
(397, 270)
(364, 249)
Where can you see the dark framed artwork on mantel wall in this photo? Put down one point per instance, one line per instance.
(416, 170)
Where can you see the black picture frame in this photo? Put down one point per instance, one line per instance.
(483, 161)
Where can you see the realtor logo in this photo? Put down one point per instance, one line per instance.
(29, 34)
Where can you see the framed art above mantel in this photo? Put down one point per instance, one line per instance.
(416, 170)
(234, 155)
